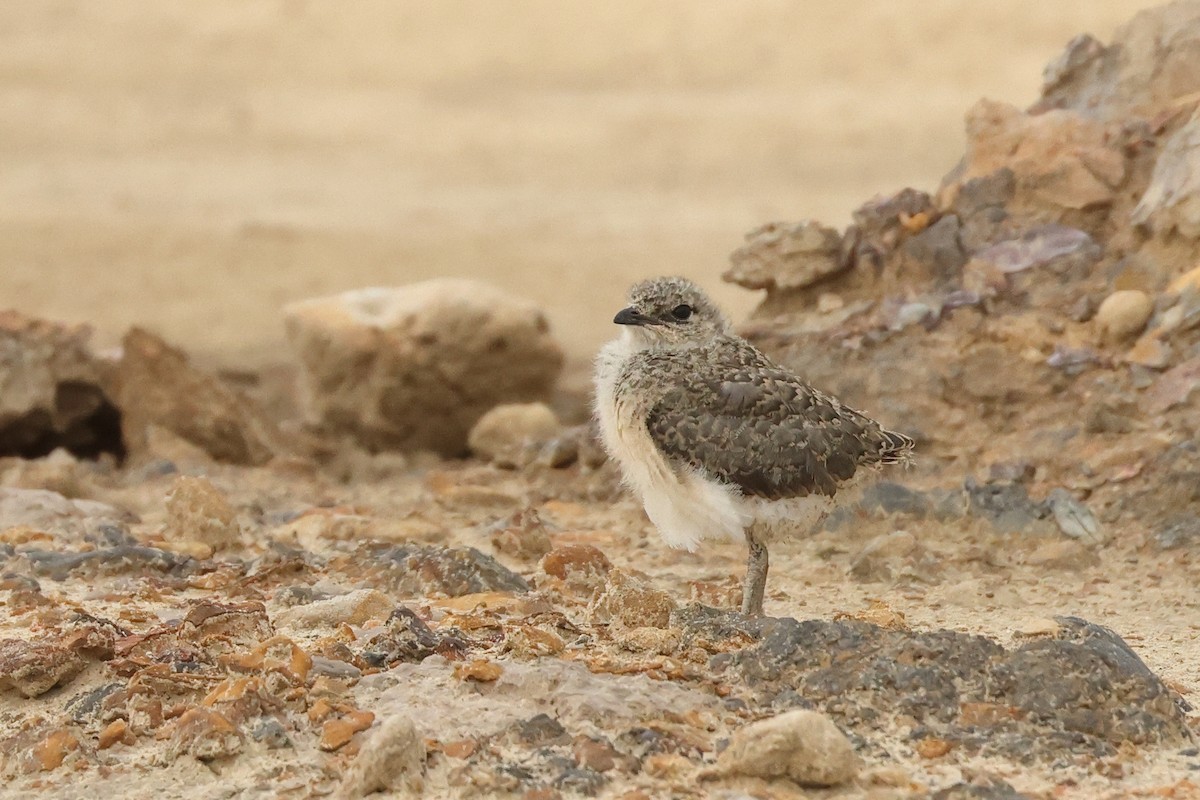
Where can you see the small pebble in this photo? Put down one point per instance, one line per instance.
(1124, 314)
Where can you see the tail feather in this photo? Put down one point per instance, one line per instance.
(897, 448)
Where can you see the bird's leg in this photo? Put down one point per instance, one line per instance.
(755, 584)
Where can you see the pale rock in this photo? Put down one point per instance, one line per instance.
(198, 512)
(577, 697)
(1123, 314)
(352, 608)
(1173, 387)
(521, 535)
(415, 367)
(787, 256)
(803, 746)
(512, 434)
(391, 760)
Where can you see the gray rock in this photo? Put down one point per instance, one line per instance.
(1074, 518)
(700, 623)
(270, 732)
(880, 222)
(938, 250)
(407, 638)
(585, 781)
(1082, 691)
(1039, 247)
(893, 498)
(88, 708)
(1006, 505)
(980, 206)
(422, 570)
(1179, 532)
(124, 558)
(542, 729)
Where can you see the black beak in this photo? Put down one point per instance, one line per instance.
(631, 316)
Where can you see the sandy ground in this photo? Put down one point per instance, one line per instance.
(193, 168)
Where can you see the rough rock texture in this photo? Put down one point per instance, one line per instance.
(156, 387)
(50, 391)
(415, 367)
(391, 760)
(1063, 164)
(1171, 203)
(1082, 688)
(804, 746)
(422, 570)
(197, 511)
(1150, 63)
(780, 257)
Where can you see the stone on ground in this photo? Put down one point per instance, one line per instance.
(415, 367)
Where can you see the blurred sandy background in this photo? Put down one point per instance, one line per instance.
(194, 166)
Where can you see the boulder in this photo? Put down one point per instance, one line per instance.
(415, 367)
(156, 387)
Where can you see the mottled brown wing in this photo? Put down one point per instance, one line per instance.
(769, 434)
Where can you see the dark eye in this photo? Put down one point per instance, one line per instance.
(681, 313)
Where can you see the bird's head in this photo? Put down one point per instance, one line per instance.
(670, 312)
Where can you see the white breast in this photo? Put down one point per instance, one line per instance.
(685, 507)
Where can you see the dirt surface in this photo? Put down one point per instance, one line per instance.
(209, 590)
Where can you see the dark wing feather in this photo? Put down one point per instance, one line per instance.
(767, 432)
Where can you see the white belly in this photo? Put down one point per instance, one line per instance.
(685, 507)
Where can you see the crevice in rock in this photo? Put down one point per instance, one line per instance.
(85, 423)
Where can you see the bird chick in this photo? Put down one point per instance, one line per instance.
(716, 439)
